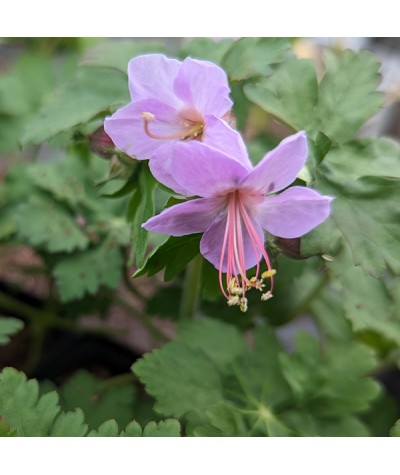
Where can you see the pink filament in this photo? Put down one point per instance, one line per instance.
(232, 252)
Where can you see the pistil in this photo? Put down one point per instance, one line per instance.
(191, 130)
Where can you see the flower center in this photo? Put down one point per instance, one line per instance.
(233, 259)
(190, 129)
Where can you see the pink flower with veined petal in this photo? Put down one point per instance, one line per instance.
(235, 206)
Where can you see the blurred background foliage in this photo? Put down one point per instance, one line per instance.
(320, 358)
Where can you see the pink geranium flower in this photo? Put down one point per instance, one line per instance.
(237, 202)
(172, 101)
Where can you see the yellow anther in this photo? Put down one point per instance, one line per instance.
(148, 116)
(233, 300)
(266, 296)
(268, 273)
(243, 304)
(236, 291)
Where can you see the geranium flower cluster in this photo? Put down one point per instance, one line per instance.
(178, 120)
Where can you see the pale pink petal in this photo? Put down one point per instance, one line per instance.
(203, 170)
(219, 135)
(212, 241)
(163, 170)
(203, 86)
(279, 168)
(193, 216)
(151, 76)
(294, 212)
(126, 127)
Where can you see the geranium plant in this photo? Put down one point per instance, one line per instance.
(196, 242)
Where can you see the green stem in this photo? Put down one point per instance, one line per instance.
(143, 319)
(46, 319)
(191, 289)
(132, 288)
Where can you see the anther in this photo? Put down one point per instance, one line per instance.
(148, 116)
(233, 300)
(266, 296)
(268, 273)
(243, 304)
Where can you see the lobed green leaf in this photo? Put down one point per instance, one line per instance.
(8, 327)
(83, 273)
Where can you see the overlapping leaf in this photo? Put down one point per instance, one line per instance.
(98, 402)
(249, 57)
(344, 99)
(45, 224)
(259, 392)
(24, 413)
(91, 92)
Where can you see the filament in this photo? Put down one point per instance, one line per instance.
(233, 258)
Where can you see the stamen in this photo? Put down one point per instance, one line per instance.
(195, 131)
(233, 258)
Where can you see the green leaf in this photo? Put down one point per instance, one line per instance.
(347, 93)
(366, 211)
(70, 424)
(23, 86)
(368, 157)
(8, 327)
(325, 239)
(290, 94)
(368, 305)
(325, 384)
(395, 430)
(44, 223)
(362, 202)
(5, 430)
(206, 49)
(249, 57)
(225, 420)
(24, 413)
(265, 391)
(30, 415)
(221, 342)
(328, 311)
(181, 378)
(133, 429)
(85, 272)
(65, 180)
(143, 202)
(172, 255)
(107, 429)
(345, 98)
(91, 92)
(117, 53)
(98, 401)
(167, 428)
